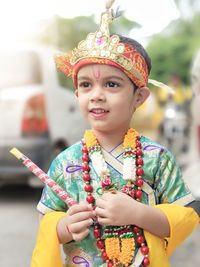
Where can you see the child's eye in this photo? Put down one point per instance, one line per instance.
(84, 84)
(112, 84)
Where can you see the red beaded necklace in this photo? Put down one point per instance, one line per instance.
(126, 236)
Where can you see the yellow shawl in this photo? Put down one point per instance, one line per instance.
(182, 222)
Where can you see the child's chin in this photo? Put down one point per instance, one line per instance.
(100, 126)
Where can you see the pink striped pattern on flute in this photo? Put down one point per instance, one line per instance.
(49, 182)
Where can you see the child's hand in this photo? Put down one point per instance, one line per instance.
(75, 226)
(116, 209)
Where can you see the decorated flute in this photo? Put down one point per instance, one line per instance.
(43, 177)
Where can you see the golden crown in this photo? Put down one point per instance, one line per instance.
(100, 47)
(103, 48)
(100, 44)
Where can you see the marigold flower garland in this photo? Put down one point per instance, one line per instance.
(117, 244)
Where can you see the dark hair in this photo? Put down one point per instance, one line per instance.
(139, 48)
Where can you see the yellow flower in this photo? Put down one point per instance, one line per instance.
(90, 139)
(127, 251)
(130, 139)
(112, 248)
(122, 249)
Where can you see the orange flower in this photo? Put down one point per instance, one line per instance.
(112, 248)
(90, 139)
(130, 139)
(121, 250)
(127, 251)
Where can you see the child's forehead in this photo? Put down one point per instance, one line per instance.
(97, 70)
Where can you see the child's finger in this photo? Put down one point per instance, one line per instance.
(104, 221)
(81, 235)
(78, 208)
(101, 203)
(80, 226)
(101, 212)
(81, 216)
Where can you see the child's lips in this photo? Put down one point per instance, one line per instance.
(98, 112)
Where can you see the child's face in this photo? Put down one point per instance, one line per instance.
(106, 97)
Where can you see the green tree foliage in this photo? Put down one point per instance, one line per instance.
(173, 50)
(64, 34)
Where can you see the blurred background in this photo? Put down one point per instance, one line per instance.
(38, 111)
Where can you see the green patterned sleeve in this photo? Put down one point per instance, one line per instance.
(170, 187)
(49, 200)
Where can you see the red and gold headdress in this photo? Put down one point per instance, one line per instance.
(102, 48)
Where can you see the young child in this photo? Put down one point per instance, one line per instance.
(117, 176)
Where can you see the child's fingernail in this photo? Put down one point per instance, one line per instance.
(90, 206)
(91, 222)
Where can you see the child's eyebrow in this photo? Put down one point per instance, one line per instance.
(114, 77)
(83, 78)
(105, 78)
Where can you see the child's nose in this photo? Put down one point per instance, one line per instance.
(97, 94)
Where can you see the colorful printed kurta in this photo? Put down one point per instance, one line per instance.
(162, 184)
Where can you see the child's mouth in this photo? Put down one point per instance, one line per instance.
(98, 112)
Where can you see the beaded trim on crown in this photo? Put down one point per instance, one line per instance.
(102, 48)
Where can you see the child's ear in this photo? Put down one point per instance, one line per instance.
(141, 95)
(76, 92)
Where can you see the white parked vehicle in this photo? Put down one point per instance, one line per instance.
(37, 116)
